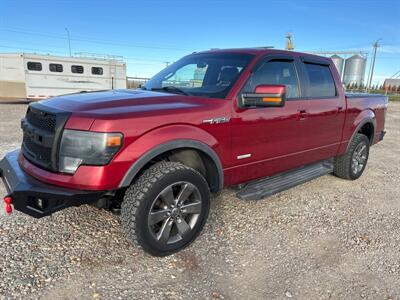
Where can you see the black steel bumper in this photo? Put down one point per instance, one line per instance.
(382, 135)
(35, 198)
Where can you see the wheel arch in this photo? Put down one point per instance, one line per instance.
(212, 161)
(366, 126)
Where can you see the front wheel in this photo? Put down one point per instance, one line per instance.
(351, 165)
(166, 208)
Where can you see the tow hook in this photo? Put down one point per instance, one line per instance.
(8, 202)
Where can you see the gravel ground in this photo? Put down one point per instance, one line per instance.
(328, 238)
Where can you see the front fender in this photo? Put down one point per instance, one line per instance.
(167, 138)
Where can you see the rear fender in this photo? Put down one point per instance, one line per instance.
(366, 116)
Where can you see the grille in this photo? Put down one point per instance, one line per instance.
(38, 153)
(41, 120)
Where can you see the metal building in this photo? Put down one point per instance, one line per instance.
(34, 76)
(339, 63)
(354, 70)
(391, 82)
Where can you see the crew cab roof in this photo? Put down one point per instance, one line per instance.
(263, 51)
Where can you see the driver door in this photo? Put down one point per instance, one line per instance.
(268, 140)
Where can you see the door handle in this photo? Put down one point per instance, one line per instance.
(301, 114)
(339, 109)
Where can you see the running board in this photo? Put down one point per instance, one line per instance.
(268, 186)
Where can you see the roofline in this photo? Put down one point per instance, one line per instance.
(262, 51)
(60, 57)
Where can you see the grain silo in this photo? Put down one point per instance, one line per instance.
(354, 70)
(339, 64)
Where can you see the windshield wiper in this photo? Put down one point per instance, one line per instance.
(171, 89)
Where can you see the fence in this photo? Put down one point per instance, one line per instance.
(135, 82)
(393, 93)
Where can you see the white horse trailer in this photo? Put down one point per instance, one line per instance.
(34, 76)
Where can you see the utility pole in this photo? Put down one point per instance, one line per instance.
(372, 65)
(69, 41)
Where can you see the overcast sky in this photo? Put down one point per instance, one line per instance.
(149, 33)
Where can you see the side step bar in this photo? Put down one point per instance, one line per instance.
(268, 186)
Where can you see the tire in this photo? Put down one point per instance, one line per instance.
(344, 166)
(150, 210)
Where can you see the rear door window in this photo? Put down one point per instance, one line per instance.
(321, 83)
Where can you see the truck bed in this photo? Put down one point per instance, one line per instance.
(361, 106)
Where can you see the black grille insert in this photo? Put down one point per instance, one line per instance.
(43, 127)
(41, 120)
(36, 152)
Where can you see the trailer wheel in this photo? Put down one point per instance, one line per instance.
(165, 209)
(351, 165)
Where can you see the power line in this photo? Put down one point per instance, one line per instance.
(134, 60)
(395, 75)
(94, 41)
(43, 48)
(30, 49)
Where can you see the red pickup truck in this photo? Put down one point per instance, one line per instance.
(259, 118)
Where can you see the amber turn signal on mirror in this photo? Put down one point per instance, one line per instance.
(265, 96)
(272, 99)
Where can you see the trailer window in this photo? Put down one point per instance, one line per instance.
(56, 68)
(321, 83)
(97, 71)
(34, 66)
(77, 69)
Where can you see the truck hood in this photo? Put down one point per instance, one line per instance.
(123, 102)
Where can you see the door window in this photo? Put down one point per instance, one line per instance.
(321, 83)
(275, 72)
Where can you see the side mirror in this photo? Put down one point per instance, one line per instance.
(265, 96)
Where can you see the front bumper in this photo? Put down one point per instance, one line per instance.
(28, 193)
(382, 135)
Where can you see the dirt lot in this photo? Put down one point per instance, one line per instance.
(329, 238)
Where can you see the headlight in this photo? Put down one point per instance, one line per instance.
(87, 148)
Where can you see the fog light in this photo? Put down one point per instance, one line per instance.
(39, 203)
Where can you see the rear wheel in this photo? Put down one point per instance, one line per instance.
(351, 165)
(166, 208)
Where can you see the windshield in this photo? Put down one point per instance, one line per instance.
(205, 74)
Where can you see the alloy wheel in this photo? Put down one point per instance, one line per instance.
(359, 158)
(175, 212)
